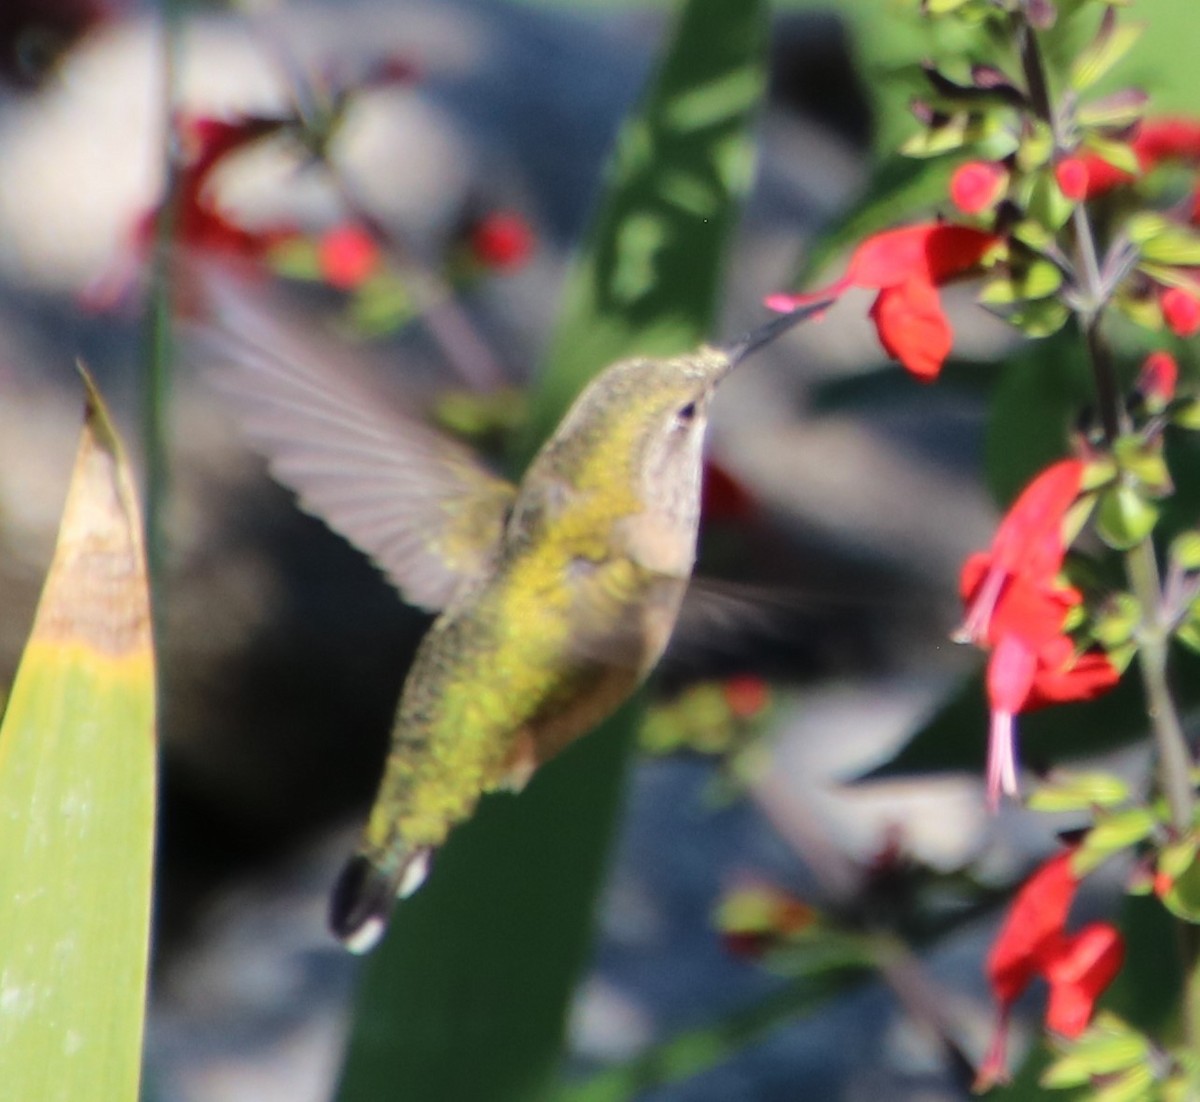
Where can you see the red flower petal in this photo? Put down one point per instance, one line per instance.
(1079, 971)
(1080, 677)
(912, 327)
(1175, 139)
(1032, 929)
(1030, 538)
(932, 252)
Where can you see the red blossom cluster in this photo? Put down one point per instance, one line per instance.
(1017, 604)
(345, 256)
(1033, 942)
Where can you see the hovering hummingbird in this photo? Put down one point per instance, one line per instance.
(556, 595)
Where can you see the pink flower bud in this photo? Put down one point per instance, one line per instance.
(1157, 379)
(1072, 176)
(347, 256)
(977, 185)
(1181, 311)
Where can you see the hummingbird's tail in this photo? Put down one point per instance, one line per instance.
(365, 893)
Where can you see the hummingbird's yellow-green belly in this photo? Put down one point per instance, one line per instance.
(503, 682)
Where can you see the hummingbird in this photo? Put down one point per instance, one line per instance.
(555, 596)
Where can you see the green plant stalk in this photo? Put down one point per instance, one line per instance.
(158, 342)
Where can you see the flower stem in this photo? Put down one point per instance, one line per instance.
(1175, 765)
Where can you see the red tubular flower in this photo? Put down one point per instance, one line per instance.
(907, 267)
(1032, 941)
(1016, 606)
(976, 185)
(198, 221)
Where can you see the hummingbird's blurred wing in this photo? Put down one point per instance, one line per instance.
(418, 503)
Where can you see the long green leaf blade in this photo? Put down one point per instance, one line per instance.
(77, 775)
(467, 997)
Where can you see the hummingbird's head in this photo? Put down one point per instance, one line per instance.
(632, 443)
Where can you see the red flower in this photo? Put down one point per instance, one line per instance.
(1016, 605)
(197, 220)
(1078, 973)
(348, 255)
(1157, 140)
(907, 266)
(976, 185)
(1032, 941)
(502, 240)
(1181, 311)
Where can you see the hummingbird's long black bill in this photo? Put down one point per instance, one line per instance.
(741, 348)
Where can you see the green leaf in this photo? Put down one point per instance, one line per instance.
(1124, 516)
(1111, 834)
(1174, 245)
(1181, 864)
(1108, 1047)
(1039, 279)
(1117, 154)
(77, 776)
(1105, 50)
(1079, 792)
(1047, 204)
(1185, 550)
(1135, 1085)
(467, 996)
(1121, 109)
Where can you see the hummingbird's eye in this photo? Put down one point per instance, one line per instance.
(685, 415)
